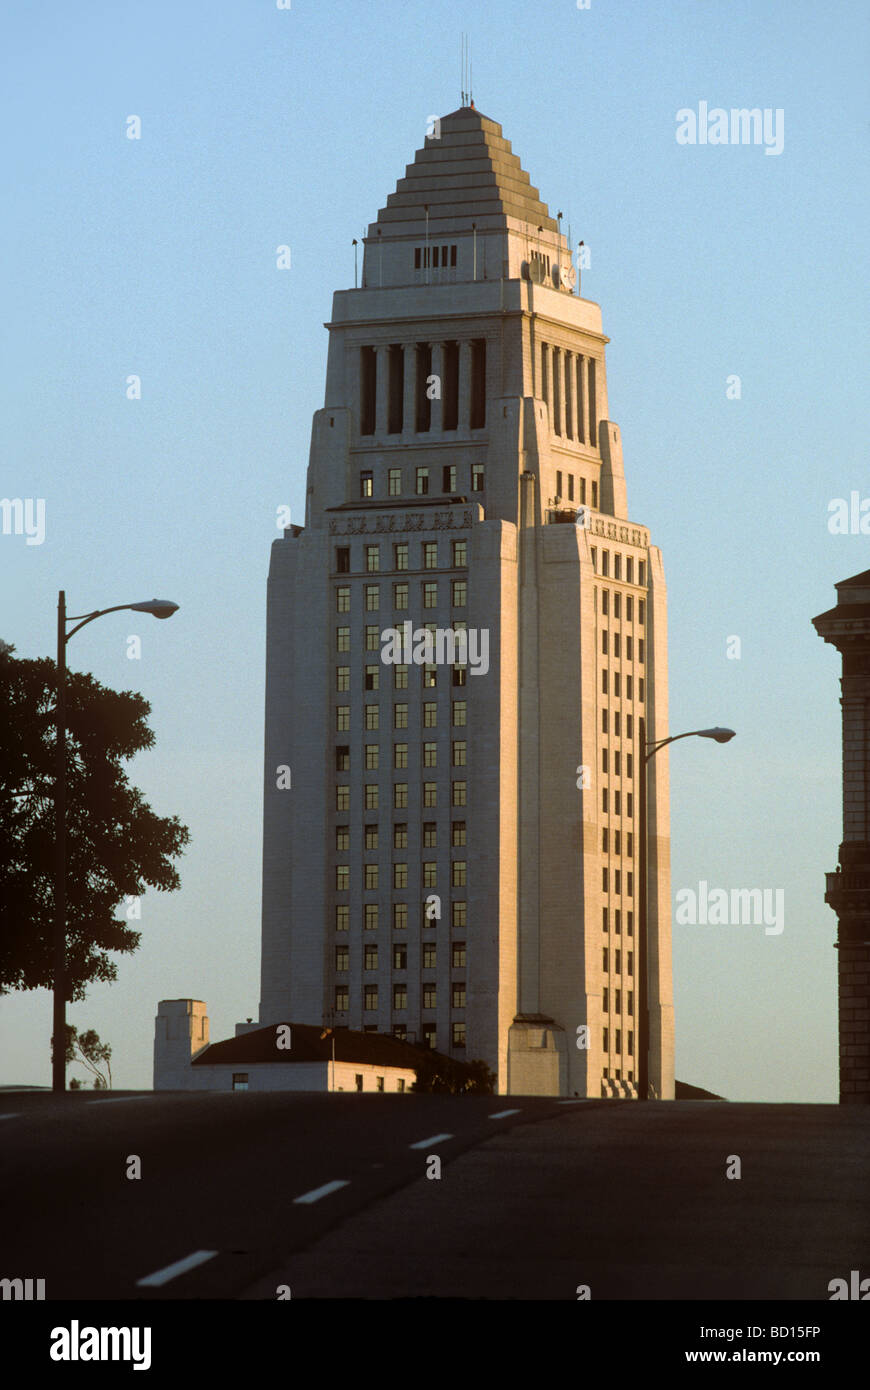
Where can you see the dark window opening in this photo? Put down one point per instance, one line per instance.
(450, 387)
(478, 384)
(368, 389)
(424, 371)
(396, 389)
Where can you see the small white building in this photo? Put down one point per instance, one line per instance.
(279, 1057)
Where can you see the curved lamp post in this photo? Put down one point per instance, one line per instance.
(159, 608)
(646, 752)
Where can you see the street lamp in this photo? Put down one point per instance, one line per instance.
(645, 753)
(159, 608)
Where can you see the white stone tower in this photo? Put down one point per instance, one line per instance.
(455, 856)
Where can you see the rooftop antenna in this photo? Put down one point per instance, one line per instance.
(462, 69)
(354, 262)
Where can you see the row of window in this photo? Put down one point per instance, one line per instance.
(617, 762)
(402, 555)
(415, 361)
(617, 842)
(459, 791)
(617, 685)
(617, 724)
(617, 567)
(428, 1033)
(428, 675)
(617, 921)
(617, 1001)
(617, 961)
(611, 642)
(399, 912)
(617, 881)
(399, 956)
(459, 714)
(617, 802)
(371, 992)
(574, 412)
(617, 1042)
(581, 498)
(617, 604)
(371, 875)
(459, 755)
(422, 478)
(400, 835)
(428, 593)
(434, 255)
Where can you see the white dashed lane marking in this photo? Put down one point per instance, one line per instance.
(427, 1143)
(316, 1193)
(503, 1114)
(163, 1276)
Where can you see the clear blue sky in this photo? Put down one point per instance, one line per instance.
(263, 127)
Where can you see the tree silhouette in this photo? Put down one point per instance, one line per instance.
(116, 845)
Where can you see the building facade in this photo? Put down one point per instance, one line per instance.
(462, 640)
(847, 627)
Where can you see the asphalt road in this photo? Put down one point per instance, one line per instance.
(329, 1195)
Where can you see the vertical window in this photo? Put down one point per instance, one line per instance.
(400, 875)
(400, 796)
(342, 718)
(342, 678)
(570, 487)
(430, 754)
(372, 716)
(400, 716)
(368, 389)
(371, 837)
(477, 477)
(373, 637)
(371, 796)
(593, 423)
(342, 798)
(477, 419)
(430, 793)
(366, 483)
(430, 555)
(400, 916)
(559, 483)
(430, 595)
(460, 711)
(423, 403)
(373, 558)
(448, 479)
(370, 998)
(460, 554)
(459, 793)
(342, 917)
(373, 598)
(342, 599)
(594, 493)
(342, 639)
(450, 387)
(400, 596)
(394, 483)
(395, 388)
(459, 914)
(372, 678)
(401, 556)
(422, 481)
(459, 592)
(457, 958)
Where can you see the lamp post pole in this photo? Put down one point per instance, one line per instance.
(645, 754)
(58, 1063)
(159, 608)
